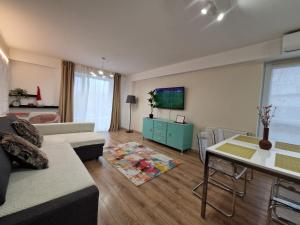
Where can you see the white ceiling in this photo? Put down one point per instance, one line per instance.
(138, 35)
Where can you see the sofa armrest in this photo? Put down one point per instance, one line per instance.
(64, 128)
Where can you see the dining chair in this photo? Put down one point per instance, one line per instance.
(222, 134)
(216, 166)
(284, 204)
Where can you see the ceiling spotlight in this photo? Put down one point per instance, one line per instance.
(93, 74)
(204, 11)
(220, 17)
(100, 72)
(111, 75)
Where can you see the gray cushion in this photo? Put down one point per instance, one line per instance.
(5, 164)
(5, 169)
(22, 151)
(28, 188)
(5, 124)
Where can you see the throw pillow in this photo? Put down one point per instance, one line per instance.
(23, 152)
(27, 131)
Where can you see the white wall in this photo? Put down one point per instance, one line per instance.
(264, 51)
(268, 50)
(127, 89)
(29, 70)
(4, 78)
(219, 97)
(261, 52)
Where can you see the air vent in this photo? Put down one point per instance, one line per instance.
(291, 42)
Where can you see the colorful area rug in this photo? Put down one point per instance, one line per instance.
(137, 162)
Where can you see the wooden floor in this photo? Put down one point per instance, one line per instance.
(168, 199)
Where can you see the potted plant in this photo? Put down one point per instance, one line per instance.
(266, 113)
(19, 94)
(152, 102)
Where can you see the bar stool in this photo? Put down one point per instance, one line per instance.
(222, 134)
(218, 166)
(284, 204)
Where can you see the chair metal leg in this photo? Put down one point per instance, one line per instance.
(245, 185)
(251, 175)
(225, 187)
(233, 197)
(269, 216)
(233, 191)
(201, 183)
(273, 206)
(270, 206)
(277, 218)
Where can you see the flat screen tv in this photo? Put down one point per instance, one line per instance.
(170, 98)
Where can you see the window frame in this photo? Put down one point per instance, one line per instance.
(266, 82)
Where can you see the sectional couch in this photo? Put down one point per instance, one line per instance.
(63, 194)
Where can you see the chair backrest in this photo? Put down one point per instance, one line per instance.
(205, 139)
(220, 134)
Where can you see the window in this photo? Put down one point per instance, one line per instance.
(282, 89)
(92, 98)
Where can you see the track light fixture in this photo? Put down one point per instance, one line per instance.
(220, 17)
(210, 7)
(204, 11)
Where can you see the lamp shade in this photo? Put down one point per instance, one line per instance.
(131, 99)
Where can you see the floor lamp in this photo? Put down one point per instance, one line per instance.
(131, 100)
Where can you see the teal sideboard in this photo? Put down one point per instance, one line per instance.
(168, 132)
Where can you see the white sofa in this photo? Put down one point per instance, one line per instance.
(81, 136)
(65, 193)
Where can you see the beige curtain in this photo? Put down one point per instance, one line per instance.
(115, 115)
(66, 91)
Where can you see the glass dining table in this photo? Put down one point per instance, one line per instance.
(282, 160)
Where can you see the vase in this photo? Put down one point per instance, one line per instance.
(151, 116)
(265, 143)
(23, 101)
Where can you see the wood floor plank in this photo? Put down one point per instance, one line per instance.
(168, 199)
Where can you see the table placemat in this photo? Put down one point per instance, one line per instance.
(237, 150)
(287, 162)
(249, 139)
(287, 146)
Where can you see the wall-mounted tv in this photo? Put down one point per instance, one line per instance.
(170, 98)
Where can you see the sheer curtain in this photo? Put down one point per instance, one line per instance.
(93, 96)
(282, 84)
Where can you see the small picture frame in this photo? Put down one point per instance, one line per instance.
(180, 119)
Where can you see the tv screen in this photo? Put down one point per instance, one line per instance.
(170, 98)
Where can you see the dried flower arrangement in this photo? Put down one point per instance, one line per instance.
(18, 92)
(266, 113)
